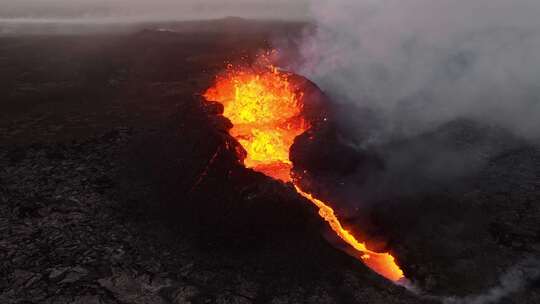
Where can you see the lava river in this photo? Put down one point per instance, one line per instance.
(266, 113)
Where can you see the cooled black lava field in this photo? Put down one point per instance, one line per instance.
(116, 186)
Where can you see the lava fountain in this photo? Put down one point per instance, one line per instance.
(266, 112)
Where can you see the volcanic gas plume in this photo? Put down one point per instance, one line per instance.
(266, 111)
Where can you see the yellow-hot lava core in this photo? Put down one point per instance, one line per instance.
(266, 112)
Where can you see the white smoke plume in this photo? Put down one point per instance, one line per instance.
(421, 63)
(416, 65)
(513, 281)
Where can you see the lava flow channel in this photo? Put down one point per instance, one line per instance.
(266, 113)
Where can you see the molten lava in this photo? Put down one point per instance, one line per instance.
(382, 263)
(266, 112)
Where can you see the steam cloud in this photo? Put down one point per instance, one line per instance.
(514, 280)
(421, 63)
(417, 65)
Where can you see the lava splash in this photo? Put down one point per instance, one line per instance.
(266, 112)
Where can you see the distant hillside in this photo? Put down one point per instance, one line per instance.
(13, 27)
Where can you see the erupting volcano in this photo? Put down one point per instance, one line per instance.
(266, 111)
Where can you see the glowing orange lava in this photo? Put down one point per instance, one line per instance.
(382, 263)
(265, 111)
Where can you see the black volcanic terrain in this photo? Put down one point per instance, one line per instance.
(118, 184)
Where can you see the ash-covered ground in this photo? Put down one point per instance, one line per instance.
(118, 185)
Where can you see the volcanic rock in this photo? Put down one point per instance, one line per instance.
(114, 190)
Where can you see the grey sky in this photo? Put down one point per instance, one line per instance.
(155, 9)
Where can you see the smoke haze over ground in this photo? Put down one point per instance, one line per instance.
(118, 10)
(422, 63)
(444, 89)
(513, 280)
